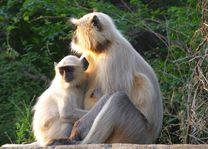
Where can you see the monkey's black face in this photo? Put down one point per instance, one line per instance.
(67, 72)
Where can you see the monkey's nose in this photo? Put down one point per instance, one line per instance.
(69, 78)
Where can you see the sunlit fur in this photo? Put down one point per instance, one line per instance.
(55, 108)
(116, 66)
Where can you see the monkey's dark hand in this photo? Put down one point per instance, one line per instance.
(63, 141)
(75, 133)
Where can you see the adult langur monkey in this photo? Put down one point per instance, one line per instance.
(131, 109)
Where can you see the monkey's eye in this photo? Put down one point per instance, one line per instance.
(66, 69)
(69, 69)
(61, 71)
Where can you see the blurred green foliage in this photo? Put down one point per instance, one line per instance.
(34, 34)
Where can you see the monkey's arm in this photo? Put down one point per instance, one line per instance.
(83, 125)
(74, 115)
(45, 110)
(69, 113)
(78, 113)
(47, 122)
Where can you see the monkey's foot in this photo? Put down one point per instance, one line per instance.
(63, 142)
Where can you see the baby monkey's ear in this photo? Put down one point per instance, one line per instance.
(55, 64)
(94, 10)
(84, 62)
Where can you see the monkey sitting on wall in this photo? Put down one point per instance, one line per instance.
(131, 109)
(60, 105)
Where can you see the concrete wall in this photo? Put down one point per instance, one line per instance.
(123, 146)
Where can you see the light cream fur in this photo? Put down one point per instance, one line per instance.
(118, 67)
(60, 105)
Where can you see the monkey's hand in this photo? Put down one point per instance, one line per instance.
(75, 133)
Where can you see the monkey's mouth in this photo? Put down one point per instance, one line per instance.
(76, 48)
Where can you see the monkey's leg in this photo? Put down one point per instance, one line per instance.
(82, 126)
(73, 116)
(78, 113)
(119, 121)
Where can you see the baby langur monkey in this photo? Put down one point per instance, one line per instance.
(61, 104)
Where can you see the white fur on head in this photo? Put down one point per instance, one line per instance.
(69, 60)
(90, 38)
(79, 73)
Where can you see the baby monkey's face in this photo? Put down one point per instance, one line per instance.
(71, 69)
(67, 72)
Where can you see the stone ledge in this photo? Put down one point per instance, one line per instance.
(122, 146)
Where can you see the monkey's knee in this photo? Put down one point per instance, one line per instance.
(119, 94)
(119, 98)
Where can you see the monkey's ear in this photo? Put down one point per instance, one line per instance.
(85, 63)
(96, 23)
(74, 21)
(55, 64)
(94, 10)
